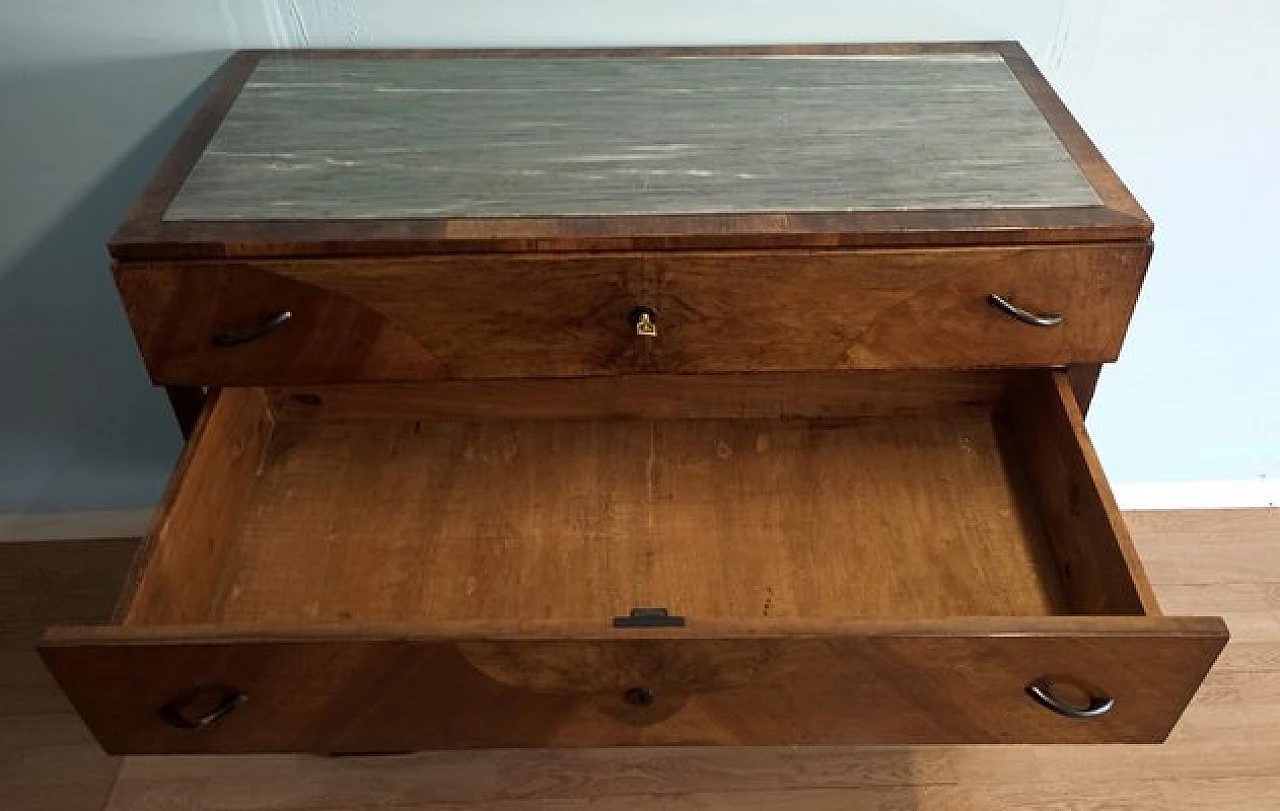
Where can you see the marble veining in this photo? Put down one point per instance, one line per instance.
(404, 138)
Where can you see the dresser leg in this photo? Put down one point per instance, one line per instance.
(187, 402)
(1084, 380)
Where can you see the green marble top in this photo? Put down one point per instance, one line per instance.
(355, 138)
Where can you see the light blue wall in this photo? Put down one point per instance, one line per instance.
(1180, 96)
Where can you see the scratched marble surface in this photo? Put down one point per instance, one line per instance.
(401, 138)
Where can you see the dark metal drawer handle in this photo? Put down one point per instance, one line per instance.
(1025, 316)
(235, 337)
(1042, 691)
(226, 701)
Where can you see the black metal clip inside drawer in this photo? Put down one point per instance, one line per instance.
(649, 618)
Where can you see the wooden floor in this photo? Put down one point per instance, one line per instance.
(47, 759)
(1225, 754)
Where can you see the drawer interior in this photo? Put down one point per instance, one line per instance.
(893, 495)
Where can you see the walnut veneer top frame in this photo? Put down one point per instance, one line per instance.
(1113, 214)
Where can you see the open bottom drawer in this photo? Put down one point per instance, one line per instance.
(883, 558)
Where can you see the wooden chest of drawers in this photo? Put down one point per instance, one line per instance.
(579, 398)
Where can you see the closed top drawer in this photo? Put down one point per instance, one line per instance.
(493, 316)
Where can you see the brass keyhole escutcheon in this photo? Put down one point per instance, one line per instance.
(645, 320)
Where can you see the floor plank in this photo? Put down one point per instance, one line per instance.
(1197, 547)
(48, 582)
(1223, 755)
(48, 760)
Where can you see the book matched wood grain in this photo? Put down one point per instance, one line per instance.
(148, 235)
(568, 315)
(176, 313)
(851, 683)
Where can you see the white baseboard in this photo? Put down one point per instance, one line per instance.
(1221, 494)
(68, 526)
(1231, 494)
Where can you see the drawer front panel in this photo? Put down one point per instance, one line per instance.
(574, 315)
(385, 695)
(178, 317)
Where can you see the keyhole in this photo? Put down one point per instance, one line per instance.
(639, 697)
